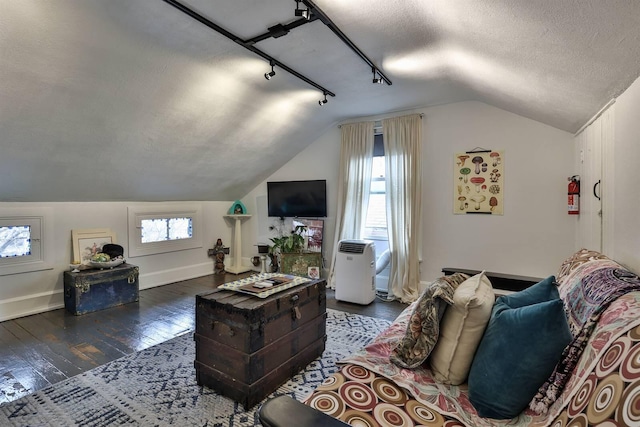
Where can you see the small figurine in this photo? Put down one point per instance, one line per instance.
(274, 262)
(218, 251)
(237, 208)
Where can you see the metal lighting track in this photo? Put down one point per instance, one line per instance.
(317, 12)
(275, 31)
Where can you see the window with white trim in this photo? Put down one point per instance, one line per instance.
(22, 240)
(375, 227)
(164, 228)
(19, 240)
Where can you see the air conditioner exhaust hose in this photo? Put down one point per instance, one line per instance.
(382, 261)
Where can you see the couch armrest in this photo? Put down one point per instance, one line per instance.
(283, 411)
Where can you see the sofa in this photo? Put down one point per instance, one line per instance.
(594, 378)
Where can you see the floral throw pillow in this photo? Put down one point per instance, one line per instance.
(423, 328)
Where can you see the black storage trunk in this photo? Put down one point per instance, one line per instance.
(91, 290)
(246, 346)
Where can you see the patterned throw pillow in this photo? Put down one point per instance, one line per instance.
(423, 328)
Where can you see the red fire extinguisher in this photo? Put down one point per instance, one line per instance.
(574, 195)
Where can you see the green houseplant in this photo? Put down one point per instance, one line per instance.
(292, 243)
(287, 253)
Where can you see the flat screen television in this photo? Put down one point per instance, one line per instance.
(288, 199)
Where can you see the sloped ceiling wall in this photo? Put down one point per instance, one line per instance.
(133, 100)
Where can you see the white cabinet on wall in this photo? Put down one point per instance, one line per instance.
(593, 153)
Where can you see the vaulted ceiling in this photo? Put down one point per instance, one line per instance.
(134, 100)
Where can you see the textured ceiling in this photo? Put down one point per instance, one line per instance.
(133, 100)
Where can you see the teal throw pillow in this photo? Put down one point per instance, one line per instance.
(518, 352)
(545, 290)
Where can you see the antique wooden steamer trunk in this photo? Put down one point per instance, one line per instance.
(246, 346)
(91, 290)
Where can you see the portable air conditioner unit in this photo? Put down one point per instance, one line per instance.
(355, 271)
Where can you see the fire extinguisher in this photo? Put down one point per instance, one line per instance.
(574, 195)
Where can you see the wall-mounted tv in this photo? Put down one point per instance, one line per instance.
(297, 198)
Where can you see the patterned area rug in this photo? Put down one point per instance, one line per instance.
(157, 386)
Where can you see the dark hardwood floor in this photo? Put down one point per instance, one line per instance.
(42, 349)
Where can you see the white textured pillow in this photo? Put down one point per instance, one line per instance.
(461, 330)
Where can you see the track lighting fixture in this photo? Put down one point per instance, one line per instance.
(271, 73)
(305, 13)
(377, 79)
(310, 12)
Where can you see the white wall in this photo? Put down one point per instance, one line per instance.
(624, 224)
(29, 293)
(532, 238)
(535, 234)
(318, 161)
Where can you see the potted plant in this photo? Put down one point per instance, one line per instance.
(288, 255)
(293, 243)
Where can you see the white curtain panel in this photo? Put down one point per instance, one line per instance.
(402, 152)
(356, 158)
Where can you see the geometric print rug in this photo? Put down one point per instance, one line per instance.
(157, 386)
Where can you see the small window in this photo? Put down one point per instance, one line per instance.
(22, 241)
(15, 241)
(164, 228)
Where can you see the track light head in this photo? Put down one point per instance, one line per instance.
(323, 101)
(377, 79)
(305, 13)
(271, 73)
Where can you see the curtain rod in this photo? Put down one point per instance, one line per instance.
(378, 123)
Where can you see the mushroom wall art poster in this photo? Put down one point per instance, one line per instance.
(478, 182)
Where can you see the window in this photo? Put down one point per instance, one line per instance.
(164, 228)
(19, 240)
(22, 240)
(16, 241)
(376, 222)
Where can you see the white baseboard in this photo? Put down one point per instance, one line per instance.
(12, 308)
(164, 277)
